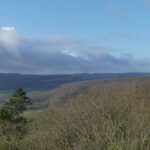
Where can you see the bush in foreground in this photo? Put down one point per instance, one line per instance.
(113, 116)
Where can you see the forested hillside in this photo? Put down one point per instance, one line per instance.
(104, 116)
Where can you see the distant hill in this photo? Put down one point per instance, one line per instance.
(39, 82)
(67, 92)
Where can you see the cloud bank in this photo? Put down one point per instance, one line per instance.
(58, 55)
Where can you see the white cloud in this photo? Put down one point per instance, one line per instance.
(8, 28)
(76, 54)
(73, 54)
(10, 39)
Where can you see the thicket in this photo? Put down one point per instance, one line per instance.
(111, 116)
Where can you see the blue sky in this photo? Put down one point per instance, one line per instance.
(90, 35)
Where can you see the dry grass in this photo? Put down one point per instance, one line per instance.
(113, 115)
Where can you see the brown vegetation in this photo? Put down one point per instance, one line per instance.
(110, 115)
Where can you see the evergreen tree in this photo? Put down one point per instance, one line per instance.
(17, 104)
(12, 115)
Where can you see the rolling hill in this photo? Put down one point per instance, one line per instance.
(62, 94)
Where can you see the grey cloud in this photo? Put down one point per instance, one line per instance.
(61, 55)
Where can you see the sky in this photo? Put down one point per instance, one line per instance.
(74, 36)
